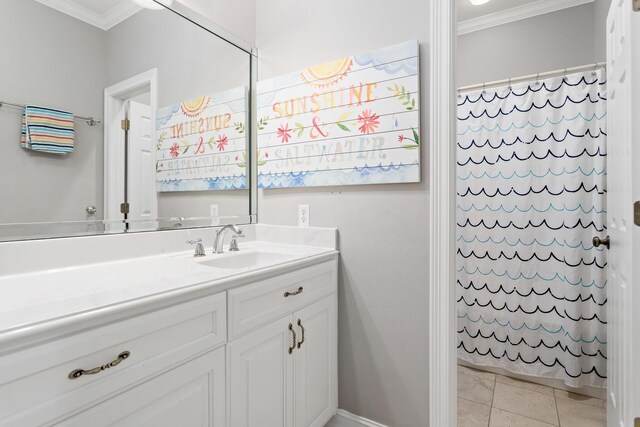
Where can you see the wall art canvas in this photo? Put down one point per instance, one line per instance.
(352, 121)
(202, 143)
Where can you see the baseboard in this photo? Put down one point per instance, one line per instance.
(358, 419)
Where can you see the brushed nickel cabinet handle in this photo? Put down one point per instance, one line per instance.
(294, 338)
(302, 329)
(80, 372)
(291, 294)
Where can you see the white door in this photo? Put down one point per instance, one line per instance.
(142, 164)
(192, 395)
(315, 391)
(260, 376)
(623, 164)
(114, 179)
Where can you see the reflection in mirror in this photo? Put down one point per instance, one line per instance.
(111, 126)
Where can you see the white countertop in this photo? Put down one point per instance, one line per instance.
(34, 303)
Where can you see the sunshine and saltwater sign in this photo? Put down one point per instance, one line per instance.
(202, 143)
(351, 121)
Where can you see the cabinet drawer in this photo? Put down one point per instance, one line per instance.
(254, 305)
(192, 395)
(34, 383)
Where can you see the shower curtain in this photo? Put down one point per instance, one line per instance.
(531, 196)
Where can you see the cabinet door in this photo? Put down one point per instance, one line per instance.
(315, 364)
(191, 395)
(260, 377)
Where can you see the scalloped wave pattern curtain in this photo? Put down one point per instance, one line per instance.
(531, 196)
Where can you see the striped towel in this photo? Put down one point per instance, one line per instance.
(47, 130)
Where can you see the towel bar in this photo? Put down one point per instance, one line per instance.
(91, 121)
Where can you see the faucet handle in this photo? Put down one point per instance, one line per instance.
(199, 247)
(233, 246)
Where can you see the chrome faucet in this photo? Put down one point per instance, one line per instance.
(218, 244)
(199, 247)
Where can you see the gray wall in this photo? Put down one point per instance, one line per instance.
(600, 33)
(191, 62)
(53, 60)
(547, 42)
(237, 16)
(383, 228)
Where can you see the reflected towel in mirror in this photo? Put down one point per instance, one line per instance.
(47, 130)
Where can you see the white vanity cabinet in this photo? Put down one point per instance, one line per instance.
(315, 369)
(36, 384)
(257, 353)
(260, 377)
(36, 387)
(285, 372)
(189, 395)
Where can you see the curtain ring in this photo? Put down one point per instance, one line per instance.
(510, 88)
(484, 87)
(538, 78)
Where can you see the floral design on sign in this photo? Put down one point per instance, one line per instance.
(368, 122)
(222, 142)
(175, 150)
(284, 133)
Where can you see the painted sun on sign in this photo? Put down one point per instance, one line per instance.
(202, 143)
(352, 121)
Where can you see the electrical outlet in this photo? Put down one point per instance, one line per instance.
(303, 216)
(215, 215)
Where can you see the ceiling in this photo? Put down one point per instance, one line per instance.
(465, 9)
(103, 14)
(98, 6)
(499, 12)
(468, 11)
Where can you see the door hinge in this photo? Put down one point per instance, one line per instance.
(125, 124)
(636, 5)
(636, 213)
(124, 208)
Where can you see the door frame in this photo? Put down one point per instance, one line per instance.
(442, 243)
(115, 97)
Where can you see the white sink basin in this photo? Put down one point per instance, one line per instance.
(245, 260)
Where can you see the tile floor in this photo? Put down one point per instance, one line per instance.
(490, 400)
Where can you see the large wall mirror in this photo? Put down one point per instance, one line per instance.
(120, 116)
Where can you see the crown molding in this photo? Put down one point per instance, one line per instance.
(120, 12)
(530, 10)
(112, 17)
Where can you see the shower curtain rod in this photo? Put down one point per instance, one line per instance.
(91, 121)
(563, 71)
